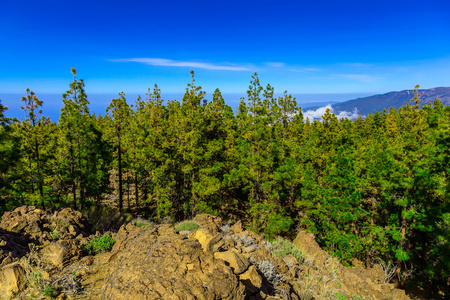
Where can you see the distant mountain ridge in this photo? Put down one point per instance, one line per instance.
(372, 104)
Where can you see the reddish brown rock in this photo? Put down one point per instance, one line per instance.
(158, 263)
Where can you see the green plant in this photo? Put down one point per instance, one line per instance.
(139, 222)
(101, 244)
(282, 248)
(340, 296)
(55, 235)
(187, 226)
(49, 290)
(35, 276)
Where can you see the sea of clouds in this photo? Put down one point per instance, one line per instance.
(319, 112)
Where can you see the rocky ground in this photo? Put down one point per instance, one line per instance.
(43, 255)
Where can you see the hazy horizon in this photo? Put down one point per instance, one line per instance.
(98, 102)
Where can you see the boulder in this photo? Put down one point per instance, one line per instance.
(208, 222)
(210, 243)
(158, 263)
(13, 280)
(39, 225)
(24, 219)
(60, 253)
(237, 227)
(251, 279)
(234, 259)
(308, 245)
(12, 246)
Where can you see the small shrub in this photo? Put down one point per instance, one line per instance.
(139, 222)
(340, 296)
(282, 248)
(305, 294)
(55, 235)
(245, 240)
(225, 229)
(268, 270)
(101, 244)
(268, 245)
(49, 291)
(187, 226)
(35, 276)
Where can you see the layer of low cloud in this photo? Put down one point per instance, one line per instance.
(319, 112)
(177, 63)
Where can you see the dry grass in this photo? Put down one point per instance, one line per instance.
(140, 222)
(187, 225)
(41, 285)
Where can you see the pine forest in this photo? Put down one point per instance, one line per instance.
(376, 188)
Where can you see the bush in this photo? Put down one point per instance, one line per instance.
(187, 226)
(101, 244)
(268, 270)
(277, 223)
(139, 222)
(245, 240)
(282, 248)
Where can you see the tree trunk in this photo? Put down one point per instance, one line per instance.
(120, 177)
(41, 188)
(136, 191)
(74, 190)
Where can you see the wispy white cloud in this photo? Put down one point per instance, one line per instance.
(319, 112)
(191, 64)
(276, 64)
(302, 70)
(293, 68)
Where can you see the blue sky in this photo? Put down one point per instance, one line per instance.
(312, 47)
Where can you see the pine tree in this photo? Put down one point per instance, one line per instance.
(35, 137)
(80, 144)
(9, 156)
(119, 114)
